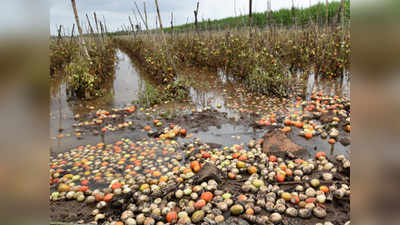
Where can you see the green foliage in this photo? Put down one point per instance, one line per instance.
(61, 53)
(81, 81)
(284, 17)
(149, 96)
(151, 56)
(177, 90)
(87, 78)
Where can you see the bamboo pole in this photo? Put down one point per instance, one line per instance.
(268, 15)
(163, 36)
(251, 12)
(172, 21)
(145, 12)
(90, 25)
(327, 13)
(159, 16)
(196, 12)
(72, 32)
(141, 17)
(105, 25)
(97, 24)
(82, 40)
(59, 34)
(132, 27)
(102, 30)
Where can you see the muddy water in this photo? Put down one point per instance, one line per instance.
(340, 86)
(219, 91)
(123, 90)
(214, 89)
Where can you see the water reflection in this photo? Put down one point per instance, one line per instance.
(124, 89)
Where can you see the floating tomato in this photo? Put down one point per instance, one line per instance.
(320, 154)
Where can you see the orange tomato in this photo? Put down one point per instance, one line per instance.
(347, 128)
(171, 216)
(272, 158)
(308, 135)
(243, 157)
(206, 155)
(116, 185)
(320, 154)
(324, 189)
(310, 200)
(289, 172)
(194, 164)
(331, 141)
(252, 170)
(242, 197)
(156, 173)
(200, 204)
(207, 196)
(286, 129)
(108, 197)
(84, 188)
(99, 197)
(249, 211)
(232, 175)
(287, 122)
(280, 178)
(299, 124)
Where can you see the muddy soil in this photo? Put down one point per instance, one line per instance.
(337, 209)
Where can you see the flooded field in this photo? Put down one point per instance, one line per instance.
(96, 143)
(210, 90)
(243, 120)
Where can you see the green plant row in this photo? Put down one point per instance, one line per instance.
(86, 77)
(154, 59)
(302, 17)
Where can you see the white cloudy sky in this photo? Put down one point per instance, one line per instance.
(116, 12)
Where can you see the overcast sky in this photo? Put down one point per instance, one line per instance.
(116, 12)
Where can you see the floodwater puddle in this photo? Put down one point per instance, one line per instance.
(215, 90)
(124, 89)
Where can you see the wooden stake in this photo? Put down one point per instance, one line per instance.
(145, 12)
(327, 13)
(102, 30)
(72, 32)
(251, 12)
(90, 25)
(172, 21)
(59, 34)
(141, 17)
(97, 23)
(82, 40)
(159, 16)
(196, 12)
(132, 27)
